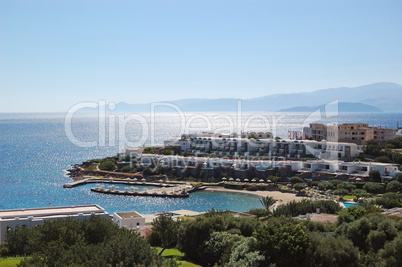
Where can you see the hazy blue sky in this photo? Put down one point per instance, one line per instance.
(54, 54)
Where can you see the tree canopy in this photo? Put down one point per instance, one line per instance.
(91, 242)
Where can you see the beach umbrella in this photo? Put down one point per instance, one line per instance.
(358, 179)
(269, 181)
(161, 181)
(135, 179)
(143, 179)
(231, 179)
(246, 180)
(224, 179)
(261, 181)
(254, 180)
(237, 180)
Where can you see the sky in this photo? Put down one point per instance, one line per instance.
(55, 54)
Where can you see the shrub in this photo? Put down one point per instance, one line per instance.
(296, 180)
(359, 211)
(294, 208)
(244, 253)
(93, 241)
(193, 234)
(331, 251)
(107, 165)
(375, 188)
(218, 247)
(369, 233)
(374, 176)
(147, 171)
(389, 200)
(282, 244)
(299, 187)
(392, 252)
(154, 239)
(325, 186)
(398, 177)
(259, 212)
(127, 168)
(360, 193)
(341, 192)
(336, 182)
(394, 186)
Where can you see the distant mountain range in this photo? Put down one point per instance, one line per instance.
(377, 97)
(342, 107)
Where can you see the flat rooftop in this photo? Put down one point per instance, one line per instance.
(51, 211)
(130, 214)
(185, 213)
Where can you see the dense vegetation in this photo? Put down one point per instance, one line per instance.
(69, 242)
(386, 194)
(294, 208)
(361, 237)
(383, 151)
(107, 166)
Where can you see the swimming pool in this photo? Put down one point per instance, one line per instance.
(350, 204)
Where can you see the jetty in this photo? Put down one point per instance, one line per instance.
(163, 190)
(90, 180)
(150, 193)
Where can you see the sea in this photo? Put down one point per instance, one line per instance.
(37, 149)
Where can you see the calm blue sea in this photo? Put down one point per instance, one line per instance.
(35, 151)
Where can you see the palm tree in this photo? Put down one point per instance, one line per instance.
(267, 202)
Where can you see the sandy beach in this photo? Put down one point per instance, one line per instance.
(285, 197)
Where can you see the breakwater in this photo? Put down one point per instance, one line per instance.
(152, 193)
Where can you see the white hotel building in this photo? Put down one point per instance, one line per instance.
(29, 218)
(231, 145)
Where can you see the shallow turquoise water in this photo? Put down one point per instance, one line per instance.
(350, 204)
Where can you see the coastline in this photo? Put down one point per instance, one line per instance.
(285, 197)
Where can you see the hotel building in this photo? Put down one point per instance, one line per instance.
(29, 218)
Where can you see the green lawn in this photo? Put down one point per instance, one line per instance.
(177, 256)
(349, 197)
(10, 261)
